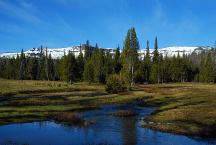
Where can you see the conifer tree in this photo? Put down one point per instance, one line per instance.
(167, 68)
(161, 68)
(47, 66)
(22, 70)
(156, 53)
(175, 70)
(62, 68)
(50, 68)
(155, 74)
(117, 61)
(71, 68)
(88, 73)
(147, 64)
(130, 56)
(139, 74)
(11, 68)
(80, 66)
(109, 64)
(2, 68)
(178, 68)
(98, 59)
(184, 68)
(88, 51)
(207, 71)
(33, 68)
(17, 66)
(41, 65)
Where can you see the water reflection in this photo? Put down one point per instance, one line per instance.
(107, 129)
(129, 132)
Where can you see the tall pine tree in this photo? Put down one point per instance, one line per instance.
(147, 64)
(80, 66)
(155, 74)
(22, 71)
(117, 61)
(71, 68)
(207, 71)
(130, 56)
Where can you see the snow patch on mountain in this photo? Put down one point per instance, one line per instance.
(55, 52)
(59, 52)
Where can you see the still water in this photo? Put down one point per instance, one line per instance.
(106, 130)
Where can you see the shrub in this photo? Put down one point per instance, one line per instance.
(115, 84)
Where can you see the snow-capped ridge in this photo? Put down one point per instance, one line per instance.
(59, 52)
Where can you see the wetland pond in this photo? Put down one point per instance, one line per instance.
(107, 129)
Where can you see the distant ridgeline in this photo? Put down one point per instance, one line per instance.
(124, 66)
(57, 53)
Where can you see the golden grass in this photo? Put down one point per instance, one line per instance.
(29, 100)
(186, 108)
(20, 86)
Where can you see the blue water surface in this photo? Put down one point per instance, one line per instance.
(106, 129)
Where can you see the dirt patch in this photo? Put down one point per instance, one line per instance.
(124, 113)
(69, 118)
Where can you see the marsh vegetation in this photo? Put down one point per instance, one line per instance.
(182, 108)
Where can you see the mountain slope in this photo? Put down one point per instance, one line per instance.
(59, 52)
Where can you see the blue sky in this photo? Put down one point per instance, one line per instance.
(58, 23)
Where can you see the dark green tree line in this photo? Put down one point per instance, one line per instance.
(95, 65)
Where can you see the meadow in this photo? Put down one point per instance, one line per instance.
(184, 108)
(181, 108)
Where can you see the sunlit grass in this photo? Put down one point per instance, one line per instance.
(18, 86)
(33, 99)
(187, 108)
